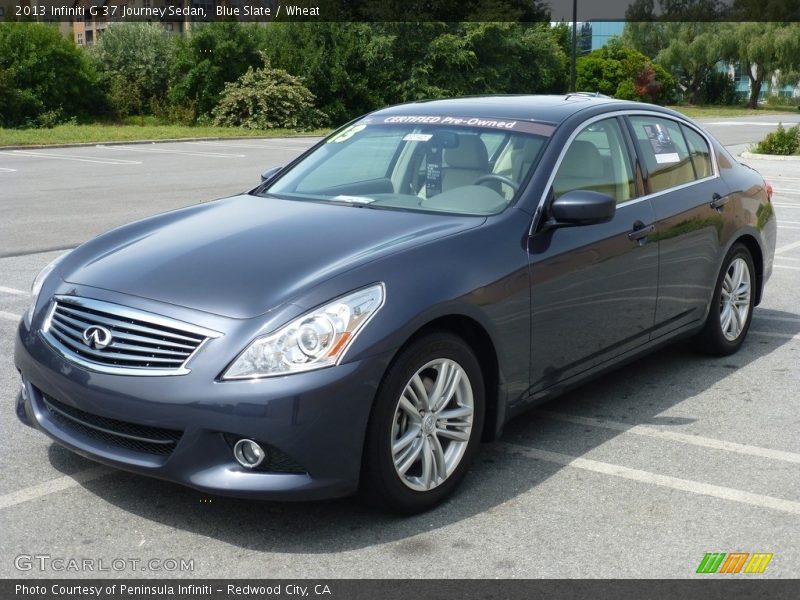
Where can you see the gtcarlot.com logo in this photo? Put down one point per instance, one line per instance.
(734, 562)
(46, 562)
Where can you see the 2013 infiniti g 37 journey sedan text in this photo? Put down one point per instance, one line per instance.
(374, 309)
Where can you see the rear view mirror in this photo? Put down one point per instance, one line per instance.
(270, 173)
(581, 207)
(443, 138)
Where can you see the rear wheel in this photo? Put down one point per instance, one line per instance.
(731, 306)
(425, 426)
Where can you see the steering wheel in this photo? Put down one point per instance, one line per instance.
(493, 177)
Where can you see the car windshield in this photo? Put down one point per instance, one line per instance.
(457, 165)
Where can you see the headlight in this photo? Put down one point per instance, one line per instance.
(36, 287)
(317, 339)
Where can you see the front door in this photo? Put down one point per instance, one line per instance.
(594, 287)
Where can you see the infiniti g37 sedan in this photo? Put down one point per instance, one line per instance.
(367, 315)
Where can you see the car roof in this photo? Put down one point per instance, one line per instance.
(548, 109)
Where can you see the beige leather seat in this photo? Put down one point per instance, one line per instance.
(583, 168)
(464, 163)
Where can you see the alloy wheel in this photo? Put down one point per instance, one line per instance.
(735, 299)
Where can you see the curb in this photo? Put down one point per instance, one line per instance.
(166, 140)
(769, 156)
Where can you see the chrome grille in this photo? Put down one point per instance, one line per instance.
(142, 343)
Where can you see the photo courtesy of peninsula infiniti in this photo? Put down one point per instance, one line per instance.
(372, 311)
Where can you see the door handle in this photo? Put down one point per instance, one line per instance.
(717, 201)
(640, 232)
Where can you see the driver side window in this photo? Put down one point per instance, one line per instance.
(597, 160)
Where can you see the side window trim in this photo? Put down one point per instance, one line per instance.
(639, 169)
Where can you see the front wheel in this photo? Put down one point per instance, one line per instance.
(731, 306)
(425, 426)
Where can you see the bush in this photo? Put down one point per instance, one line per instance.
(615, 70)
(44, 77)
(134, 59)
(268, 98)
(781, 141)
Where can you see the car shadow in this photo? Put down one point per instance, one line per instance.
(637, 394)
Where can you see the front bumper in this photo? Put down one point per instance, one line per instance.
(317, 419)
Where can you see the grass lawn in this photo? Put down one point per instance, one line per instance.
(695, 112)
(109, 132)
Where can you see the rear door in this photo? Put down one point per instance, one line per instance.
(689, 199)
(593, 293)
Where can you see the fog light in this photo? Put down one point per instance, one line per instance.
(248, 453)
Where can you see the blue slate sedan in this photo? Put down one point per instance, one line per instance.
(368, 314)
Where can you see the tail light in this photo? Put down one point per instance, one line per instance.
(768, 186)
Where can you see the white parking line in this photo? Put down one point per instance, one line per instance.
(757, 316)
(785, 191)
(782, 205)
(12, 291)
(54, 485)
(5, 170)
(166, 151)
(9, 316)
(694, 440)
(783, 336)
(786, 267)
(787, 227)
(675, 483)
(787, 258)
(759, 123)
(789, 222)
(787, 247)
(75, 157)
(252, 146)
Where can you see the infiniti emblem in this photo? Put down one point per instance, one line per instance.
(97, 337)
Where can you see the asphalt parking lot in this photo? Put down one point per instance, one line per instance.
(638, 474)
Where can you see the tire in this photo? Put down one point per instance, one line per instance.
(727, 324)
(433, 454)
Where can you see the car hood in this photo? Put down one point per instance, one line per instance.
(243, 256)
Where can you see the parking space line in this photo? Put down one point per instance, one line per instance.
(76, 158)
(12, 291)
(252, 146)
(167, 151)
(5, 170)
(784, 336)
(675, 483)
(694, 440)
(54, 485)
(786, 267)
(787, 247)
(787, 227)
(785, 191)
(9, 316)
(787, 258)
(781, 205)
(758, 317)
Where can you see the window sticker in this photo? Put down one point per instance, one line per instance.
(418, 137)
(433, 172)
(488, 123)
(663, 146)
(346, 134)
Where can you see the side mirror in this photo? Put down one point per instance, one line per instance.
(581, 207)
(270, 173)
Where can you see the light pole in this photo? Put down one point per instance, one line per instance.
(574, 53)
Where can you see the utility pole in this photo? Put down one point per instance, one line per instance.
(574, 53)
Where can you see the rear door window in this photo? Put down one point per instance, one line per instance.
(664, 152)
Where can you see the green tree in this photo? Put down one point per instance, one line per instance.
(761, 49)
(212, 55)
(692, 54)
(134, 60)
(44, 77)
